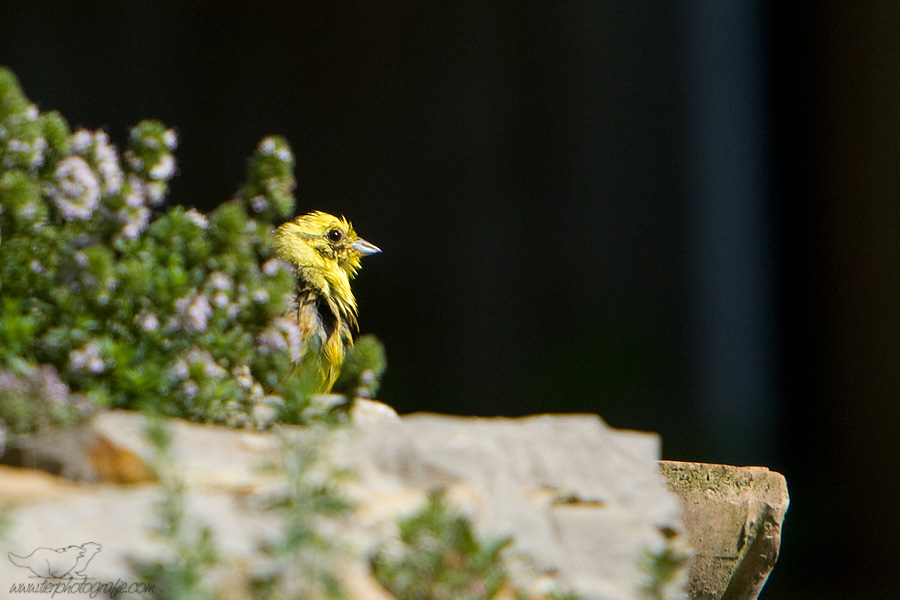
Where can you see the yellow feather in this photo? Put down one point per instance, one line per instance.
(325, 252)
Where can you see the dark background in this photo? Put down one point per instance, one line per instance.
(681, 216)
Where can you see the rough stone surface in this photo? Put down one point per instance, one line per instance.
(585, 503)
(733, 517)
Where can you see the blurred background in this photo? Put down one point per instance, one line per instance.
(680, 216)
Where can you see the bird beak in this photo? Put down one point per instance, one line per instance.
(364, 247)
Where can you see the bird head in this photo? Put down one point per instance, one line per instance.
(326, 253)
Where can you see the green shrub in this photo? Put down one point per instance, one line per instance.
(362, 369)
(441, 558)
(109, 300)
(306, 560)
(191, 547)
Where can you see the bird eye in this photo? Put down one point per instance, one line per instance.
(335, 235)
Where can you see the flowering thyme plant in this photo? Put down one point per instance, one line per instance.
(108, 300)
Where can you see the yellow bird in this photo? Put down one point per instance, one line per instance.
(325, 252)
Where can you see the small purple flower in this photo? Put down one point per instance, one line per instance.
(291, 331)
(259, 203)
(284, 154)
(256, 391)
(170, 139)
(220, 300)
(190, 389)
(173, 324)
(149, 322)
(134, 161)
(267, 146)
(220, 281)
(87, 358)
(180, 369)
(272, 266)
(156, 193)
(182, 303)
(43, 389)
(37, 157)
(78, 192)
(51, 385)
(95, 365)
(81, 140)
(108, 164)
(197, 218)
(164, 169)
(135, 222)
(212, 369)
(243, 377)
(30, 153)
(197, 314)
(271, 341)
(135, 195)
(194, 311)
(233, 311)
